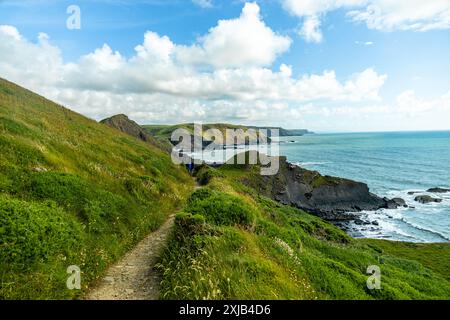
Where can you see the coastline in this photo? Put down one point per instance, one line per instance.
(361, 223)
(398, 164)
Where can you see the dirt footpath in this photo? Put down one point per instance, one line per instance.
(134, 277)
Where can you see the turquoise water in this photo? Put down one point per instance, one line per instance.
(392, 164)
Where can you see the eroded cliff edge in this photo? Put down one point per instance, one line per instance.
(330, 198)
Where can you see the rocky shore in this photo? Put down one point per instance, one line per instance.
(334, 199)
(331, 198)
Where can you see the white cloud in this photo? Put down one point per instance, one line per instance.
(365, 43)
(104, 59)
(237, 42)
(203, 3)
(155, 47)
(305, 8)
(162, 81)
(406, 105)
(11, 32)
(154, 86)
(311, 29)
(416, 15)
(384, 15)
(406, 112)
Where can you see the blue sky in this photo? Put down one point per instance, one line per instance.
(406, 52)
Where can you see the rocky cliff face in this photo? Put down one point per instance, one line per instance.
(122, 123)
(330, 198)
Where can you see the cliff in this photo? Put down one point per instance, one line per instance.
(330, 198)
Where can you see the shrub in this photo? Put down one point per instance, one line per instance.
(67, 190)
(32, 232)
(205, 174)
(188, 225)
(220, 208)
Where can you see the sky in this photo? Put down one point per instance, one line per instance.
(324, 65)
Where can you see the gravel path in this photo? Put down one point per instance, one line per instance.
(134, 277)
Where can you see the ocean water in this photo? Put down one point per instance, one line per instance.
(392, 164)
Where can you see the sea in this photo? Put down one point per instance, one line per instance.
(391, 164)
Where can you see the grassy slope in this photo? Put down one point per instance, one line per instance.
(166, 130)
(163, 132)
(72, 192)
(231, 243)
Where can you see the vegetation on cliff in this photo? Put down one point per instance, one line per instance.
(274, 251)
(72, 192)
(76, 192)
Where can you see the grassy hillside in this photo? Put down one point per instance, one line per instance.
(72, 192)
(164, 132)
(232, 243)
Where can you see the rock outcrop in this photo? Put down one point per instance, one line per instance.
(427, 199)
(438, 190)
(330, 198)
(122, 123)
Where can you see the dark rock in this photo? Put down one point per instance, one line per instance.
(438, 190)
(394, 203)
(375, 223)
(331, 198)
(413, 192)
(361, 222)
(399, 202)
(122, 123)
(427, 199)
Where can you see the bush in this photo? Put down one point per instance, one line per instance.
(188, 225)
(220, 208)
(32, 232)
(205, 174)
(67, 190)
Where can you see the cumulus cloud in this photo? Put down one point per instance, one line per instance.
(383, 15)
(408, 111)
(164, 82)
(416, 15)
(406, 104)
(409, 104)
(237, 42)
(311, 29)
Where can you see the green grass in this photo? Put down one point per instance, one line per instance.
(436, 257)
(163, 132)
(73, 192)
(205, 174)
(286, 253)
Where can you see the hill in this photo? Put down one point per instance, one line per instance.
(287, 132)
(164, 132)
(73, 192)
(122, 123)
(231, 242)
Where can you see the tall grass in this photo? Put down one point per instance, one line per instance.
(286, 254)
(73, 192)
